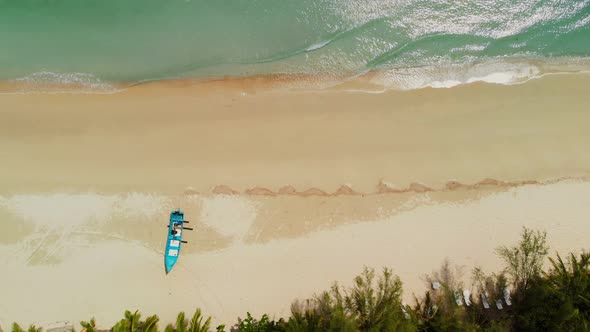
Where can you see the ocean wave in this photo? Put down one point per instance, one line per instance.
(50, 82)
(317, 46)
(324, 38)
(380, 35)
(583, 22)
(497, 19)
(493, 71)
(470, 48)
(453, 75)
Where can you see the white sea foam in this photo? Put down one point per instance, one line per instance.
(447, 76)
(51, 82)
(317, 46)
(518, 45)
(581, 23)
(470, 48)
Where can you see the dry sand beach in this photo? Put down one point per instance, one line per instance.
(288, 190)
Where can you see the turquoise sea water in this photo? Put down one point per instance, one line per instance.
(412, 43)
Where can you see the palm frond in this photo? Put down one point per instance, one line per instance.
(181, 323)
(150, 324)
(90, 326)
(196, 323)
(17, 328)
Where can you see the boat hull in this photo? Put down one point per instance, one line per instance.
(174, 239)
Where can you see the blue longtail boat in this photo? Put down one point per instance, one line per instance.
(175, 230)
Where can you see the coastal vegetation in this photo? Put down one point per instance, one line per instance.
(533, 292)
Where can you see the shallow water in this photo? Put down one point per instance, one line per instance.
(94, 43)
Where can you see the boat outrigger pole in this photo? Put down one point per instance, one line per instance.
(184, 228)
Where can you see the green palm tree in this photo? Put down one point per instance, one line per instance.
(181, 323)
(128, 324)
(17, 328)
(196, 323)
(571, 281)
(120, 326)
(133, 320)
(89, 326)
(150, 324)
(32, 328)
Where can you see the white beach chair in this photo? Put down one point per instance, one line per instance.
(499, 304)
(467, 297)
(484, 300)
(507, 297)
(458, 298)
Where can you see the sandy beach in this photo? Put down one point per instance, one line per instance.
(288, 190)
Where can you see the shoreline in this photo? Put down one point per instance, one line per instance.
(511, 71)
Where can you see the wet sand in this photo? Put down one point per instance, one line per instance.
(288, 190)
(168, 138)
